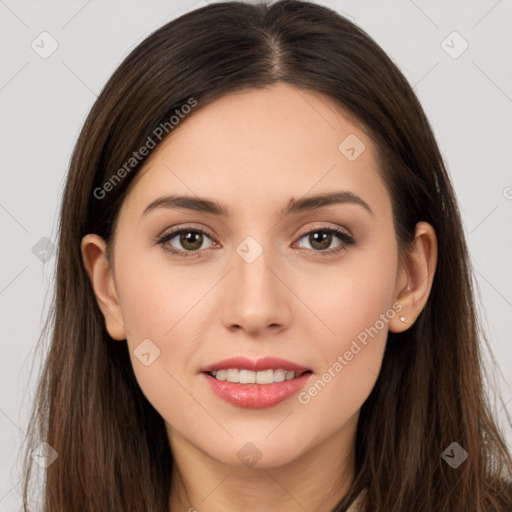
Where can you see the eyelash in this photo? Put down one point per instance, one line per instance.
(342, 235)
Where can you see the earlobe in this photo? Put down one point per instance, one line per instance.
(415, 277)
(100, 273)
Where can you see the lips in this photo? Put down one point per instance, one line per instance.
(260, 392)
(264, 363)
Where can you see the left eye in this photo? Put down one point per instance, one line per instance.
(322, 238)
(191, 239)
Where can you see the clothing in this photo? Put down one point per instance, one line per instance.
(354, 507)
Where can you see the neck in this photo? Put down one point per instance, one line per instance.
(314, 481)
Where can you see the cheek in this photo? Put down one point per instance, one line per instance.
(157, 296)
(357, 311)
(352, 296)
(158, 307)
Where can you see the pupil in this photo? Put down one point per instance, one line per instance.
(323, 244)
(191, 238)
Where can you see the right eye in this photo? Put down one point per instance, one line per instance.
(191, 239)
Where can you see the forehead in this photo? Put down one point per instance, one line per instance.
(261, 146)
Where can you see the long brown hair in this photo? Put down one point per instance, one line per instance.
(112, 446)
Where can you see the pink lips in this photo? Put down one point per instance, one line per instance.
(265, 363)
(256, 396)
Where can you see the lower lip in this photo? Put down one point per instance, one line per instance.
(256, 396)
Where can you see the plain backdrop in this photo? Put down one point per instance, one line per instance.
(463, 79)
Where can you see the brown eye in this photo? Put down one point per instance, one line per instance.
(191, 240)
(320, 242)
(321, 239)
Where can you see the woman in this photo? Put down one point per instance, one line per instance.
(263, 295)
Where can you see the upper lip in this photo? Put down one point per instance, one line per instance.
(264, 363)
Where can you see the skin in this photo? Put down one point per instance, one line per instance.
(253, 152)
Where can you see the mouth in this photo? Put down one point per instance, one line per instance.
(255, 389)
(255, 383)
(243, 376)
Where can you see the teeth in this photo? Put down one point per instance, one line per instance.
(247, 377)
(250, 377)
(232, 375)
(280, 375)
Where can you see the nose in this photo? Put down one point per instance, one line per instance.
(256, 297)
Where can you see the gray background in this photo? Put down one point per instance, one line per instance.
(44, 103)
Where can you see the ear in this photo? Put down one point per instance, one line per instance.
(415, 277)
(102, 280)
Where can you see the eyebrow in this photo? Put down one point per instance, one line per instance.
(294, 206)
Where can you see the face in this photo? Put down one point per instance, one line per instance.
(314, 286)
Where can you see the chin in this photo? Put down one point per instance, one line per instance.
(259, 452)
